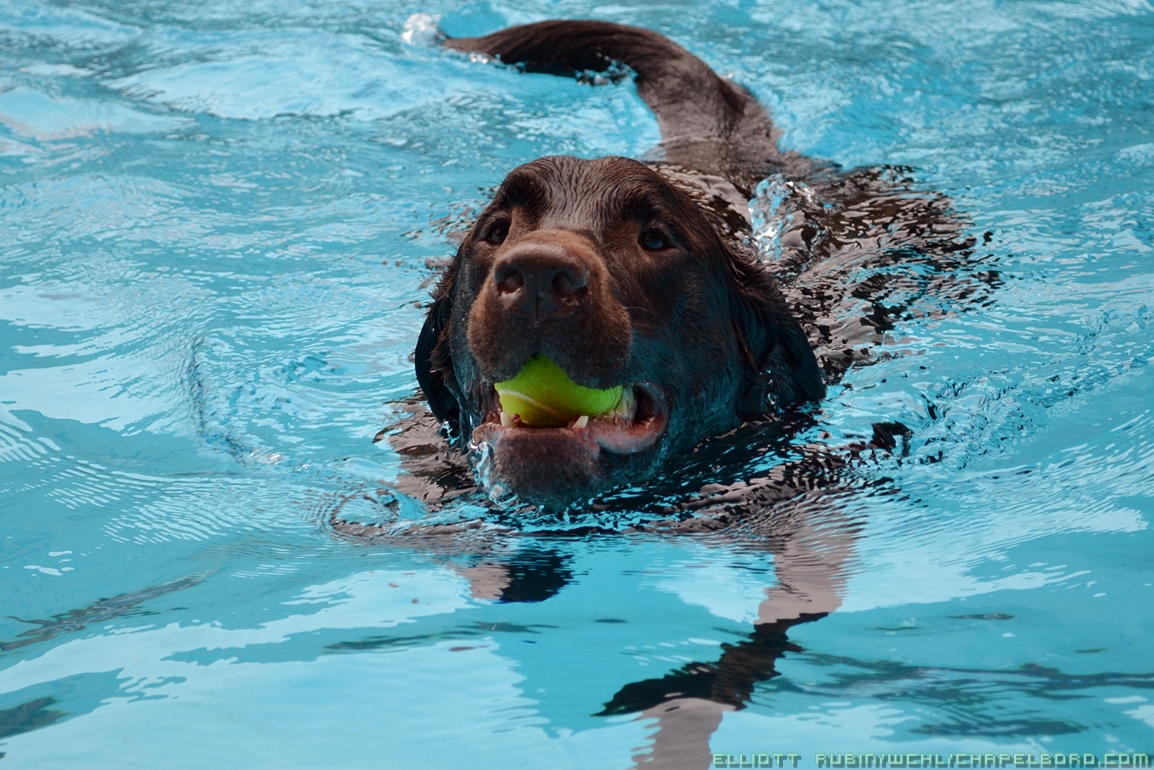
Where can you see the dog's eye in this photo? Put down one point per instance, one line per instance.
(498, 232)
(653, 240)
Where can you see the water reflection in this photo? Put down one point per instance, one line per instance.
(791, 514)
(206, 317)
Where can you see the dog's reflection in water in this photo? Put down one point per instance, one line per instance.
(794, 513)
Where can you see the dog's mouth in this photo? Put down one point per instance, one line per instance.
(633, 426)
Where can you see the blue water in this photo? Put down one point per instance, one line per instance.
(219, 222)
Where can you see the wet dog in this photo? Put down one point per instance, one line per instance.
(641, 275)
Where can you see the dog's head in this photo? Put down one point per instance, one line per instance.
(621, 279)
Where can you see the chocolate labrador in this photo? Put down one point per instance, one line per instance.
(642, 275)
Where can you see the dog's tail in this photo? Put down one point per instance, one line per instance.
(707, 123)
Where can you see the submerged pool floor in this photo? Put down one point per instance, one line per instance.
(219, 224)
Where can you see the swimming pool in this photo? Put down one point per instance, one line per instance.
(218, 226)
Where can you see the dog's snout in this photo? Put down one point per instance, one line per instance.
(540, 280)
(550, 293)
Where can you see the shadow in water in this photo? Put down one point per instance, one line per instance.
(728, 681)
(535, 575)
(28, 717)
(97, 612)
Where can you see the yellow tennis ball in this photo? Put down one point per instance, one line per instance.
(544, 396)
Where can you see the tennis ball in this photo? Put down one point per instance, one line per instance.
(544, 396)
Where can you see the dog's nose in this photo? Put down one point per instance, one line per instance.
(541, 280)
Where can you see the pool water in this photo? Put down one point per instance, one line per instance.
(219, 223)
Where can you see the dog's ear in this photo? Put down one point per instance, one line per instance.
(432, 359)
(779, 364)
